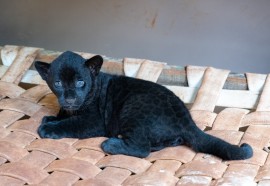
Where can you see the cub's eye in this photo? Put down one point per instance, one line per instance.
(80, 83)
(58, 84)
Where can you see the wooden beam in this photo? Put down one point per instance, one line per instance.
(170, 75)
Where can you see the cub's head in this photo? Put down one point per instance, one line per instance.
(71, 78)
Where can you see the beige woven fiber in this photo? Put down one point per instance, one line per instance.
(234, 107)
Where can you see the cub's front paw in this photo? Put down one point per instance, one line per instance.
(49, 130)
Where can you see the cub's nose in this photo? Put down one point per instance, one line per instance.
(70, 100)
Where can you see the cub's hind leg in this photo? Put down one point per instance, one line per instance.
(125, 146)
(132, 144)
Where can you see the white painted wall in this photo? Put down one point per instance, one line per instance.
(231, 34)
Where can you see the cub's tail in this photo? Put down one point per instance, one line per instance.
(205, 143)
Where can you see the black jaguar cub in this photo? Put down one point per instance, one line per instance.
(138, 116)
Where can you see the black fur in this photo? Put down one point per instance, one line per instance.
(138, 116)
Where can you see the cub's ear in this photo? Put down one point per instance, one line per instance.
(94, 64)
(43, 69)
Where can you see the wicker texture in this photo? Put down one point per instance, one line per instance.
(27, 159)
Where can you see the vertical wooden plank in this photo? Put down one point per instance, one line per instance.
(255, 81)
(143, 69)
(132, 66)
(150, 70)
(264, 102)
(210, 89)
(195, 75)
(9, 53)
(20, 65)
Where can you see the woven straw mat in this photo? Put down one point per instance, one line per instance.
(236, 116)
